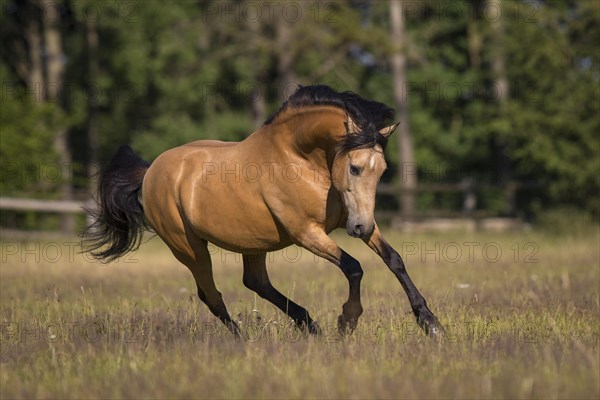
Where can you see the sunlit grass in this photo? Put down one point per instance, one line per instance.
(525, 324)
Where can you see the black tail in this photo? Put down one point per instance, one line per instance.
(119, 217)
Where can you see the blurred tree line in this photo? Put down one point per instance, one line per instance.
(488, 91)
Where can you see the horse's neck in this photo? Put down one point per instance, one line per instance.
(316, 131)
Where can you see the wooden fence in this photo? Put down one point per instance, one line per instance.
(469, 194)
(62, 207)
(55, 206)
(467, 216)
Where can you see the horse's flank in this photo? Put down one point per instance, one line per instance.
(247, 196)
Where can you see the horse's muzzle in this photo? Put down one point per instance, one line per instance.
(360, 231)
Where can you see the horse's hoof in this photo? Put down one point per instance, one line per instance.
(309, 328)
(346, 327)
(314, 328)
(432, 327)
(436, 332)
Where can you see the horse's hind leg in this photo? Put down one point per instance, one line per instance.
(257, 279)
(201, 268)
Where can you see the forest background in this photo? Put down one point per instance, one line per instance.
(490, 93)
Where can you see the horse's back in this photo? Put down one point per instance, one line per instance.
(209, 143)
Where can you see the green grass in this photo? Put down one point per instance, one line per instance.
(521, 324)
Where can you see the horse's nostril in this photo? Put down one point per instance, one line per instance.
(359, 230)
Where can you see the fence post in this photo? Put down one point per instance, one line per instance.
(469, 197)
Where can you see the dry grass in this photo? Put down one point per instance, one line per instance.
(516, 329)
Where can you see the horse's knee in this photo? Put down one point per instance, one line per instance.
(395, 263)
(351, 268)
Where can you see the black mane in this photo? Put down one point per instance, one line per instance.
(370, 116)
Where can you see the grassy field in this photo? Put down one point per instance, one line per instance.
(522, 312)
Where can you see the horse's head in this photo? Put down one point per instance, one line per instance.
(356, 171)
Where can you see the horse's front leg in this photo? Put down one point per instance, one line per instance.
(320, 244)
(392, 259)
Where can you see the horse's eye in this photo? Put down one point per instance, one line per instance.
(354, 170)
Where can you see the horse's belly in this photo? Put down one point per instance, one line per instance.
(245, 245)
(235, 218)
(238, 235)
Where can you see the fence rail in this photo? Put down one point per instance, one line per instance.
(39, 205)
(395, 216)
(66, 208)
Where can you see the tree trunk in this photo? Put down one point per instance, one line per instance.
(258, 105)
(474, 40)
(92, 131)
(55, 68)
(498, 59)
(285, 59)
(501, 84)
(407, 169)
(35, 76)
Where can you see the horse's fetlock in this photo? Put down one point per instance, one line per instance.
(352, 309)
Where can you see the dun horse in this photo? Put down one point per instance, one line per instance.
(311, 168)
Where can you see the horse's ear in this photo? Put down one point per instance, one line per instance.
(351, 127)
(388, 130)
